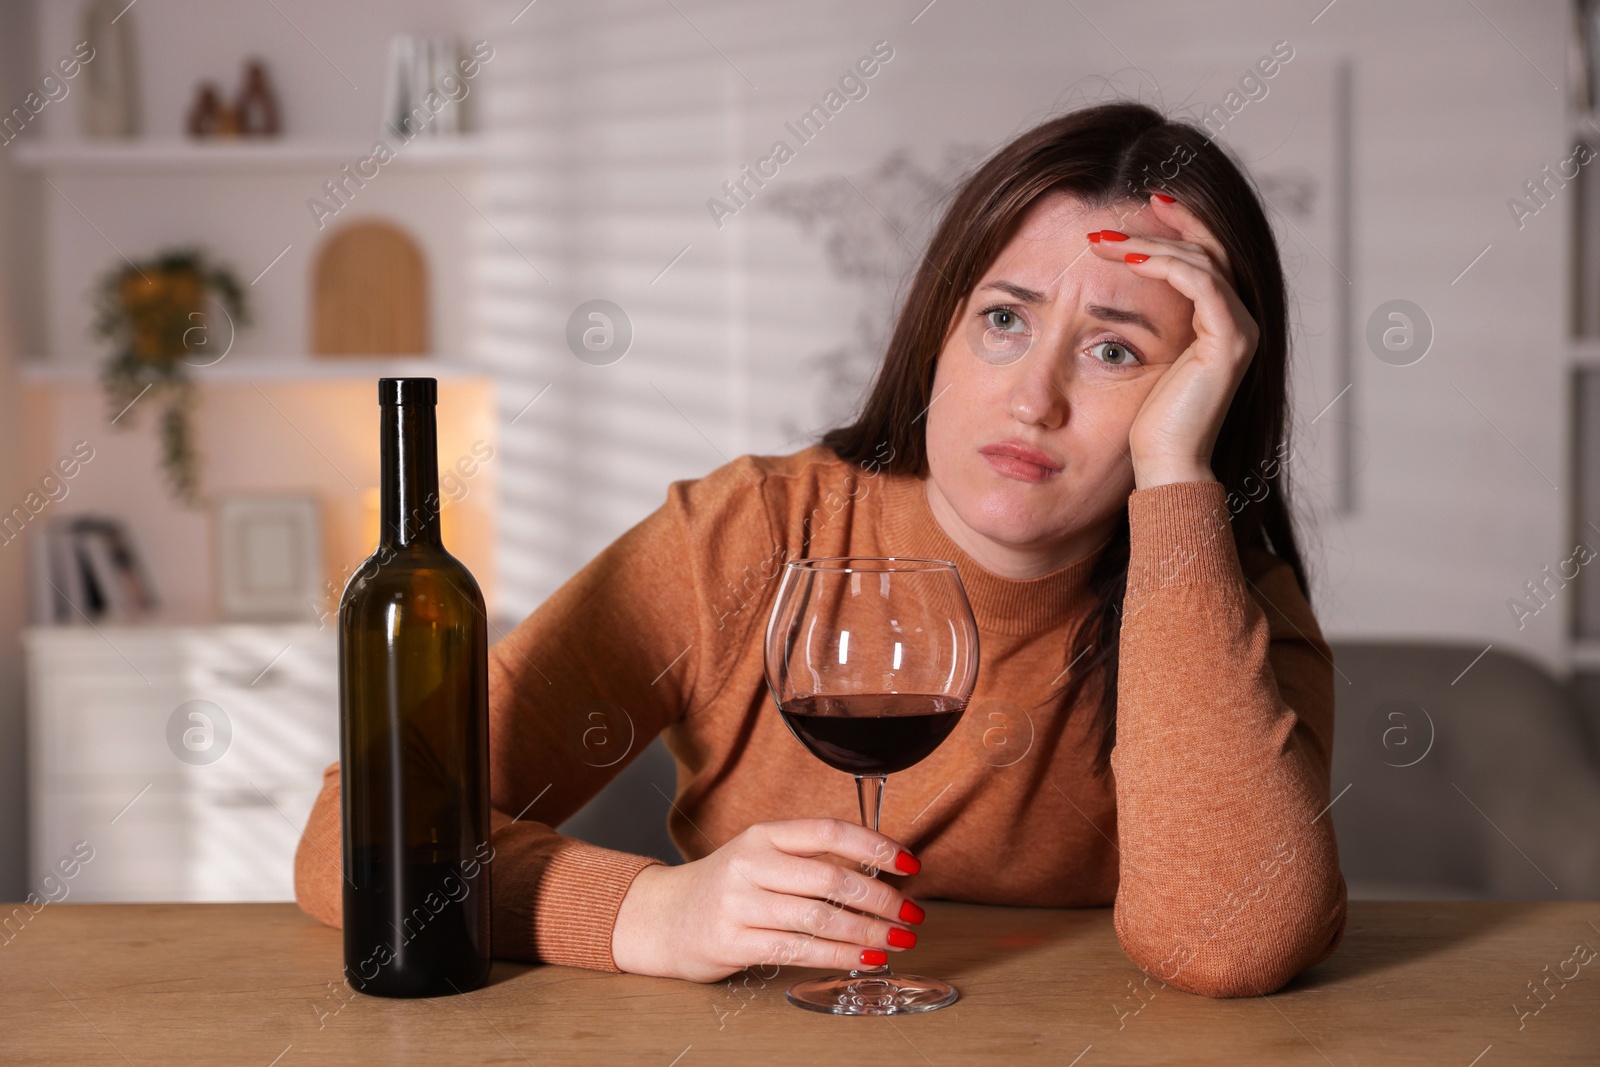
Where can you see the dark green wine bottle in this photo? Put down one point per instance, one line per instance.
(414, 733)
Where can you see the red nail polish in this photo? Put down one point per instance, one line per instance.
(1135, 257)
(1164, 198)
(910, 913)
(874, 957)
(902, 938)
(1113, 235)
(1094, 237)
(906, 863)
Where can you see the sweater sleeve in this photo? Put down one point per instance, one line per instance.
(1229, 870)
(617, 654)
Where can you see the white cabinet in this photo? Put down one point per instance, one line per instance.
(187, 757)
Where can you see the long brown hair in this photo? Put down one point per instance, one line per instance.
(1106, 155)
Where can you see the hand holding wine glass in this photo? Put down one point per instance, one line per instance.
(772, 896)
(777, 894)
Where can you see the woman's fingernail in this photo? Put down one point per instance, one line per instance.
(1094, 237)
(1135, 257)
(874, 957)
(1164, 198)
(906, 863)
(1113, 235)
(910, 913)
(902, 938)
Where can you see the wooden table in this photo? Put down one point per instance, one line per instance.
(258, 984)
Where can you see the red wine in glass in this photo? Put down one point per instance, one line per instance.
(871, 661)
(873, 733)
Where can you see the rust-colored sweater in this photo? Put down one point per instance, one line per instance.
(1210, 836)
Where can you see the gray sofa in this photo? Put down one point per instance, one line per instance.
(1505, 804)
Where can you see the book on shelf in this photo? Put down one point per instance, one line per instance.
(85, 569)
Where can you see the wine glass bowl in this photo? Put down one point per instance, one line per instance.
(871, 661)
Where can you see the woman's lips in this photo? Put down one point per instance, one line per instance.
(1012, 466)
(1019, 469)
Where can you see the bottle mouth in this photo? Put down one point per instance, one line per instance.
(408, 391)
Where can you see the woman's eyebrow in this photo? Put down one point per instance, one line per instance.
(1021, 292)
(1132, 318)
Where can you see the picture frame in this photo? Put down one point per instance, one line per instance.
(269, 559)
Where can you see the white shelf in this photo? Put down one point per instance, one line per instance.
(70, 637)
(165, 627)
(236, 370)
(221, 156)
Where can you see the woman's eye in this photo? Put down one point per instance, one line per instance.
(999, 336)
(1117, 354)
(1004, 319)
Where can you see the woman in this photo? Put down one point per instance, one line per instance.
(1083, 404)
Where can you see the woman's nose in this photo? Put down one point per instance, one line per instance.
(1036, 395)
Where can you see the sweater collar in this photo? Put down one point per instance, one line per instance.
(1001, 605)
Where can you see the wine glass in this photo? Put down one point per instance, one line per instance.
(871, 661)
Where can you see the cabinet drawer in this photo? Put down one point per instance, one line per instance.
(212, 846)
(93, 728)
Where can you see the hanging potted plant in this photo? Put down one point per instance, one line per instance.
(162, 314)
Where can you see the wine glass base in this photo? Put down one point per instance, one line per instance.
(866, 993)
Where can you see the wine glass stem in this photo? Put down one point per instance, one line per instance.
(869, 790)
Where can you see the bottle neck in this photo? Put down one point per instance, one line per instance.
(409, 482)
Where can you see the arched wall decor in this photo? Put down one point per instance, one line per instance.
(369, 293)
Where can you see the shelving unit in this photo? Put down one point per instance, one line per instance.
(222, 156)
(272, 418)
(241, 370)
(246, 200)
(242, 194)
(291, 161)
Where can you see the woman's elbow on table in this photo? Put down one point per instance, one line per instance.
(1243, 972)
(318, 866)
(1252, 961)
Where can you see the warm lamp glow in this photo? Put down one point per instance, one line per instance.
(371, 508)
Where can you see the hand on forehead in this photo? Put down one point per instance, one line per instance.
(1058, 217)
(1133, 218)
(1049, 250)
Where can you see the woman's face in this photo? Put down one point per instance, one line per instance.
(1053, 352)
